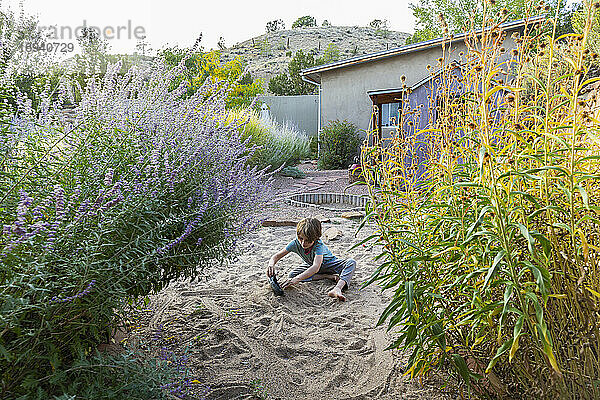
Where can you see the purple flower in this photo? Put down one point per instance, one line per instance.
(86, 291)
(108, 177)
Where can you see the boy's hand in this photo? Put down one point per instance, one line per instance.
(270, 270)
(290, 282)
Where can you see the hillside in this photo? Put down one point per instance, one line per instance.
(269, 54)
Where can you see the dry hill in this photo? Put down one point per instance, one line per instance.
(269, 54)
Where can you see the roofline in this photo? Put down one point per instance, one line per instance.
(406, 49)
(385, 91)
(455, 64)
(307, 79)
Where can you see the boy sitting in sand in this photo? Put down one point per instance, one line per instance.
(320, 263)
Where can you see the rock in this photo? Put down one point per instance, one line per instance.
(352, 215)
(268, 223)
(332, 233)
(324, 220)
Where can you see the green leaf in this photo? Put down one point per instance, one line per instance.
(588, 81)
(494, 268)
(584, 196)
(476, 224)
(538, 81)
(462, 368)
(527, 196)
(408, 290)
(5, 353)
(542, 278)
(562, 226)
(393, 306)
(439, 335)
(530, 240)
(516, 334)
(507, 295)
(505, 346)
(539, 311)
(546, 340)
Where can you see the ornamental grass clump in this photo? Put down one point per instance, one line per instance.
(273, 145)
(491, 239)
(144, 186)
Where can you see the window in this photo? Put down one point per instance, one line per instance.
(389, 114)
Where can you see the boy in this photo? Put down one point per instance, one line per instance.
(320, 263)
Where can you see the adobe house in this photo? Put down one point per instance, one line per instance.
(350, 89)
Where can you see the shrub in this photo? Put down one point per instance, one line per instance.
(291, 84)
(145, 186)
(331, 54)
(241, 88)
(492, 251)
(314, 147)
(306, 21)
(121, 376)
(273, 145)
(339, 143)
(378, 24)
(275, 25)
(292, 172)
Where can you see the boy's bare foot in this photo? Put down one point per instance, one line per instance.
(336, 293)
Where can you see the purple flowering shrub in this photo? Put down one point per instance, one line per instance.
(142, 187)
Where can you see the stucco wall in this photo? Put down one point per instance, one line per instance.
(344, 90)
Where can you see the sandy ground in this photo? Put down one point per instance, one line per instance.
(240, 341)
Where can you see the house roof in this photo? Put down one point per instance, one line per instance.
(391, 95)
(313, 74)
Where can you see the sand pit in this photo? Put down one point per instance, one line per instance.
(240, 341)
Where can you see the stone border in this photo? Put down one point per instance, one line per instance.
(316, 199)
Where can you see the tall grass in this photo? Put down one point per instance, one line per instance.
(273, 145)
(491, 241)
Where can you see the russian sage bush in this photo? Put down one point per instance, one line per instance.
(144, 186)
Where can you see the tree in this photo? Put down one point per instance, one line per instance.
(377, 23)
(242, 89)
(332, 53)
(326, 23)
(281, 85)
(305, 21)
(142, 46)
(577, 24)
(91, 43)
(381, 27)
(275, 25)
(566, 17)
(94, 52)
(436, 17)
(291, 84)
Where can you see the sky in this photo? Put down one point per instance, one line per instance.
(177, 22)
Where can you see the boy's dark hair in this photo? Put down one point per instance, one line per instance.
(310, 228)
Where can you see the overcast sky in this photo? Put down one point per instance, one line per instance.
(177, 22)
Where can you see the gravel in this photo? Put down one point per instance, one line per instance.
(334, 181)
